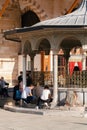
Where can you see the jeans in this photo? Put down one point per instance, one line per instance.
(29, 99)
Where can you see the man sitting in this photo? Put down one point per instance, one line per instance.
(4, 87)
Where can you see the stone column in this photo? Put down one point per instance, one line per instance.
(24, 78)
(51, 61)
(32, 55)
(84, 63)
(55, 79)
(24, 71)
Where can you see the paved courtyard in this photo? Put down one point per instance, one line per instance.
(23, 121)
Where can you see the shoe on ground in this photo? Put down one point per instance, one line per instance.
(25, 102)
(46, 104)
(36, 107)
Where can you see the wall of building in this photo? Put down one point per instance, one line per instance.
(10, 19)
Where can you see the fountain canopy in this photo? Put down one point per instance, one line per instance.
(76, 19)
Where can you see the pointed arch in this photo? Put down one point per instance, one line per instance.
(29, 19)
(70, 42)
(44, 45)
(34, 6)
(27, 48)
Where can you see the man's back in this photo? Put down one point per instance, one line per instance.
(45, 94)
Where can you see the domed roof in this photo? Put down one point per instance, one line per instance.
(78, 17)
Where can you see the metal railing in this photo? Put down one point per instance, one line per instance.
(77, 80)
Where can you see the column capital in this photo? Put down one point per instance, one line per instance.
(32, 55)
(55, 52)
(24, 55)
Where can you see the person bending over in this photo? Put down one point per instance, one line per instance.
(27, 95)
(45, 97)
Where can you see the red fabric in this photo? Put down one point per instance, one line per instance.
(71, 67)
(80, 65)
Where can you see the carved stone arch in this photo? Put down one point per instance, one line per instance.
(68, 43)
(27, 48)
(38, 41)
(43, 44)
(82, 39)
(29, 18)
(34, 6)
(72, 36)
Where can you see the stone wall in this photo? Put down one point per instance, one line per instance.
(72, 96)
(9, 50)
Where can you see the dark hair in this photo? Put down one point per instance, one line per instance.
(31, 85)
(46, 87)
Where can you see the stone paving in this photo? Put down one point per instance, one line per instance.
(59, 111)
(24, 121)
(25, 118)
